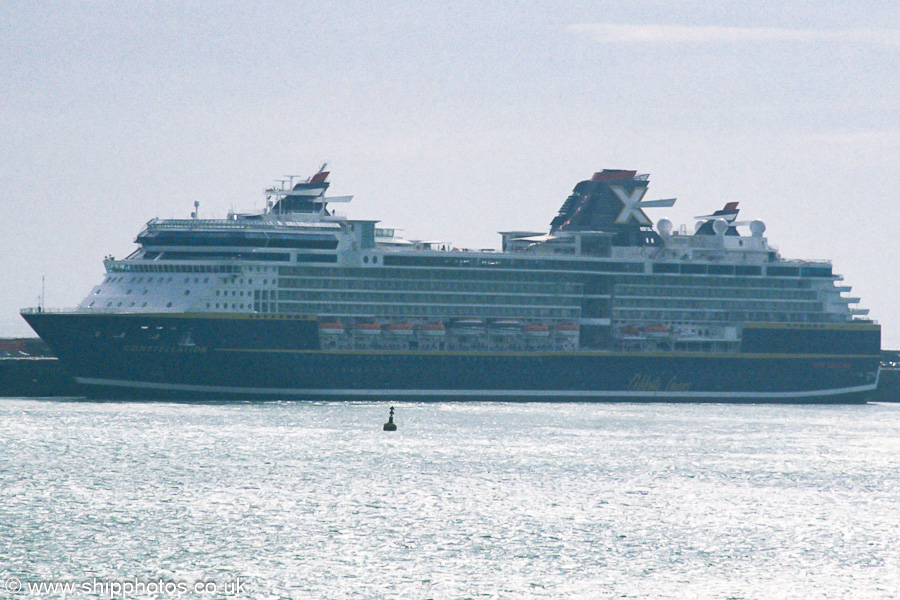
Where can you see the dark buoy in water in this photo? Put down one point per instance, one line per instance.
(390, 425)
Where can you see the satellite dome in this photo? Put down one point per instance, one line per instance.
(664, 227)
(720, 226)
(757, 228)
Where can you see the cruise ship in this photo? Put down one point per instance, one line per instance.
(299, 301)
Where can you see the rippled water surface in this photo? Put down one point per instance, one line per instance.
(482, 500)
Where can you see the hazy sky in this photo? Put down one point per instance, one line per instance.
(449, 121)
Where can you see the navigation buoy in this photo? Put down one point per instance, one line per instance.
(390, 425)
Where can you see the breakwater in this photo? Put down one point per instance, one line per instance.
(34, 377)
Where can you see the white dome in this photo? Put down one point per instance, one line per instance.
(664, 227)
(720, 226)
(757, 228)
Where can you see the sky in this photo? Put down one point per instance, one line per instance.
(449, 121)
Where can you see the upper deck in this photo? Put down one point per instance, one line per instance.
(605, 266)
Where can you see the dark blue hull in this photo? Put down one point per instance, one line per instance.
(271, 357)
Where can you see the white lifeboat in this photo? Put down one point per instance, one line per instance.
(506, 327)
(469, 326)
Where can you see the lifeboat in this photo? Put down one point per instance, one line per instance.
(331, 328)
(432, 329)
(367, 328)
(468, 326)
(471, 322)
(566, 329)
(536, 331)
(630, 330)
(506, 327)
(399, 328)
(655, 330)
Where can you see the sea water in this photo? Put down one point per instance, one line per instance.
(466, 500)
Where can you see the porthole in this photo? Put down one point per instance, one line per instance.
(168, 305)
(366, 259)
(374, 260)
(144, 304)
(127, 292)
(187, 292)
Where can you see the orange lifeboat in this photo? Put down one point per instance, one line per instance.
(566, 329)
(656, 330)
(536, 331)
(399, 328)
(331, 328)
(432, 329)
(630, 330)
(367, 328)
